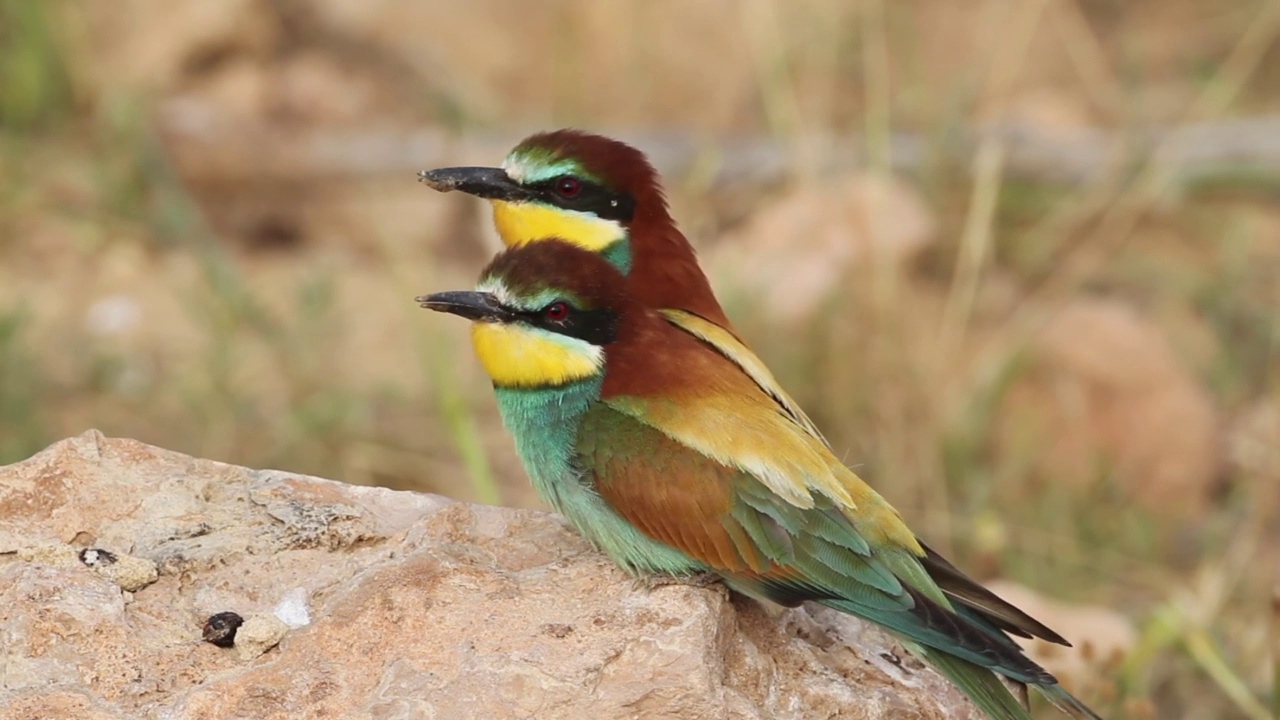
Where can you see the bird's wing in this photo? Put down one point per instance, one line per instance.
(709, 499)
(968, 594)
(728, 344)
(672, 381)
(954, 583)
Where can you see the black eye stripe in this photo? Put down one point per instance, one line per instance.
(598, 327)
(591, 197)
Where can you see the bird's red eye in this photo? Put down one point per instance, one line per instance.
(568, 186)
(556, 311)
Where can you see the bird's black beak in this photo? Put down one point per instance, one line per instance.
(483, 182)
(477, 306)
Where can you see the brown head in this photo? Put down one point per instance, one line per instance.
(601, 195)
(548, 314)
(543, 314)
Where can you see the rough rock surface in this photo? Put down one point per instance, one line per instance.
(418, 607)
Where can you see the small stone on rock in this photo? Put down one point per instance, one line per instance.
(97, 557)
(129, 572)
(220, 629)
(259, 634)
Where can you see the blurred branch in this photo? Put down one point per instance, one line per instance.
(212, 151)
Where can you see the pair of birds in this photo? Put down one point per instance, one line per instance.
(640, 415)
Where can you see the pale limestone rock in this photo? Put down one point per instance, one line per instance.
(259, 634)
(419, 607)
(59, 556)
(130, 573)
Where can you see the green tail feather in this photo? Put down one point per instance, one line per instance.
(1067, 703)
(978, 683)
(991, 696)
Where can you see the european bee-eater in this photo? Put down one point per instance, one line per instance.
(673, 461)
(604, 196)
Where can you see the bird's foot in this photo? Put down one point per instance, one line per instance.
(654, 581)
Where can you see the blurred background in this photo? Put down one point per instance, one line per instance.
(1020, 259)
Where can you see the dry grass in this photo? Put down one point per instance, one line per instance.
(272, 326)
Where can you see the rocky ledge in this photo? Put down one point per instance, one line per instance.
(362, 602)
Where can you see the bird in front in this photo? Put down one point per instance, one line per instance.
(671, 460)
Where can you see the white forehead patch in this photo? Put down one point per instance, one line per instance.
(495, 287)
(515, 169)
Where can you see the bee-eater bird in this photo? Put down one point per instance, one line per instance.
(664, 454)
(602, 195)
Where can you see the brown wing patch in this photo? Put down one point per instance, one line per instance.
(671, 380)
(671, 493)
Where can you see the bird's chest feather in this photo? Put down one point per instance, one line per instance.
(545, 422)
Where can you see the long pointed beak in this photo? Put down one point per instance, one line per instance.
(477, 306)
(483, 182)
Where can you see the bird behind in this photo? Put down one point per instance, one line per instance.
(669, 458)
(601, 195)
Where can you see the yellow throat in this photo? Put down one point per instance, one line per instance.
(520, 356)
(519, 223)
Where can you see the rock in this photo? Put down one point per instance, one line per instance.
(813, 236)
(259, 634)
(1104, 390)
(384, 604)
(130, 573)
